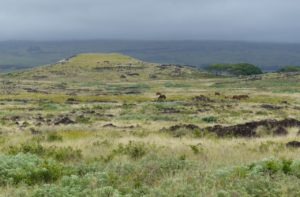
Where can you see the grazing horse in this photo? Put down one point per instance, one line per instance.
(161, 97)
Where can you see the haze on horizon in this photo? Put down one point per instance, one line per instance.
(256, 20)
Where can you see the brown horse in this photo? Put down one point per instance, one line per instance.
(161, 97)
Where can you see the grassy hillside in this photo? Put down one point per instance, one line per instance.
(268, 56)
(106, 67)
(76, 128)
(235, 69)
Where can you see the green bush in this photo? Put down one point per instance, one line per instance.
(134, 150)
(210, 119)
(83, 120)
(129, 178)
(235, 69)
(267, 166)
(75, 186)
(269, 177)
(53, 136)
(57, 153)
(28, 169)
(289, 69)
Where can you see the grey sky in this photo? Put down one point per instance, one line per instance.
(259, 20)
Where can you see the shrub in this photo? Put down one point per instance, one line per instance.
(132, 178)
(269, 177)
(83, 120)
(58, 153)
(135, 150)
(29, 169)
(267, 166)
(53, 136)
(75, 186)
(196, 149)
(289, 69)
(209, 119)
(235, 69)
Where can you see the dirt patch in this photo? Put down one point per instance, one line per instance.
(270, 107)
(240, 97)
(182, 130)
(249, 129)
(110, 125)
(170, 110)
(280, 131)
(133, 92)
(202, 98)
(63, 120)
(133, 74)
(71, 101)
(183, 126)
(293, 144)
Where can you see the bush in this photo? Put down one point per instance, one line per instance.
(132, 178)
(289, 69)
(134, 150)
(75, 186)
(58, 153)
(28, 169)
(52, 137)
(269, 177)
(83, 120)
(235, 69)
(267, 166)
(210, 119)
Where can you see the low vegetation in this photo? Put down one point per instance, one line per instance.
(287, 69)
(234, 69)
(98, 133)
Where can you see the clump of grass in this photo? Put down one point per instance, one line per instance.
(28, 169)
(134, 150)
(50, 106)
(53, 136)
(57, 153)
(209, 119)
(83, 120)
(263, 131)
(196, 149)
(170, 84)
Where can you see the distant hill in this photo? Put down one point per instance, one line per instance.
(234, 69)
(287, 69)
(106, 67)
(268, 56)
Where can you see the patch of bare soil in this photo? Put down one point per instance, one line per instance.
(202, 98)
(249, 129)
(293, 144)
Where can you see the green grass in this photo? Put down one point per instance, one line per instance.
(121, 144)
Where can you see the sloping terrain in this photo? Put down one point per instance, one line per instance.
(268, 56)
(106, 67)
(112, 125)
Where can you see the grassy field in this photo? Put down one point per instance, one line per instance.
(92, 125)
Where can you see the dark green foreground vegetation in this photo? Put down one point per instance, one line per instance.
(148, 175)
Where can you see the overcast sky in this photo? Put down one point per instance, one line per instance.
(258, 20)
